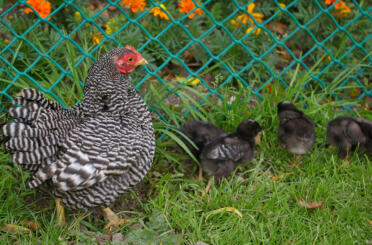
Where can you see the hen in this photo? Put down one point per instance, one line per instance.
(88, 155)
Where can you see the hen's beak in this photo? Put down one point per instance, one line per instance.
(142, 62)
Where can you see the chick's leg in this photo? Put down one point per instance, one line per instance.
(112, 218)
(200, 176)
(61, 220)
(346, 162)
(295, 164)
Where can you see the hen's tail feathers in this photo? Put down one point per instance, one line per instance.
(37, 131)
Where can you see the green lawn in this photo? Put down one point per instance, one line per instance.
(169, 207)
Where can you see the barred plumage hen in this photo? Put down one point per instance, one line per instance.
(88, 155)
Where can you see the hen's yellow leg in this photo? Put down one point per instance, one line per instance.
(61, 220)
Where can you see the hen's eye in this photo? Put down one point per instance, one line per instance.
(130, 59)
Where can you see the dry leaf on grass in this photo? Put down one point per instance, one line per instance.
(31, 225)
(274, 178)
(369, 221)
(310, 205)
(226, 209)
(15, 228)
(278, 27)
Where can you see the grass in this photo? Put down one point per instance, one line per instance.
(170, 208)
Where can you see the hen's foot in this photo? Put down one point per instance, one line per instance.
(113, 219)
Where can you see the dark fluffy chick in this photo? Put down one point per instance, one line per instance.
(200, 133)
(296, 130)
(346, 133)
(222, 155)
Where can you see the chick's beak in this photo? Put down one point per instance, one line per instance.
(142, 61)
(257, 139)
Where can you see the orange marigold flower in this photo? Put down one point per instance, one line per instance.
(134, 5)
(257, 16)
(156, 11)
(42, 7)
(187, 6)
(329, 2)
(343, 9)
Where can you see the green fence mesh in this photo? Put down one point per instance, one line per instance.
(255, 42)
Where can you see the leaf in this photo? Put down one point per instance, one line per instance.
(275, 178)
(188, 55)
(31, 225)
(15, 228)
(369, 221)
(278, 27)
(354, 93)
(311, 205)
(117, 238)
(226, 209)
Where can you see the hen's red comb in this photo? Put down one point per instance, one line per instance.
(131, 48)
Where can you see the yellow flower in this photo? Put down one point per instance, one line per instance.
(243, 18)
(134, 5)
(282, 5)
(156, 11)
(256, 32)
(235, 23)
(6, 41)
(110, 28)
(187, 6)
(257, 16)
(96, 37)
(190, 81)
(77, 16)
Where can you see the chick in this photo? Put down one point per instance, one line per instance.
(346, 133)
(200, 133)
(219, 157)
(296, 130)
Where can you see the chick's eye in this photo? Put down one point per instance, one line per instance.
(130, 59)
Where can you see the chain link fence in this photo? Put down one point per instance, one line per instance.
(50, 44)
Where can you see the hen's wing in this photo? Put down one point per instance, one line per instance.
(39, 127)
(99, 147)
